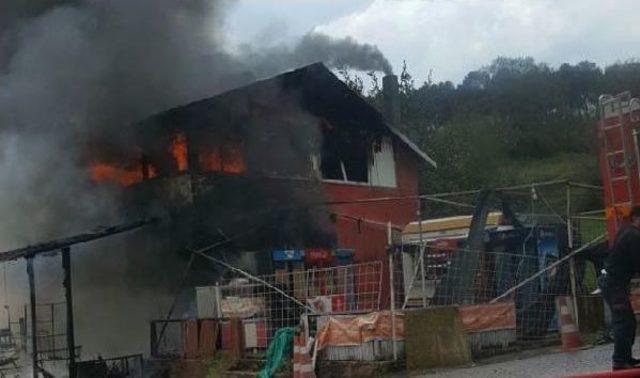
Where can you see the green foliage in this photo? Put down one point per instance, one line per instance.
(470, 152)
(513, 121)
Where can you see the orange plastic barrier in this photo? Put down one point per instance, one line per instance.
(353, 330)
(190, 342)
(488, 317)
(208, 338)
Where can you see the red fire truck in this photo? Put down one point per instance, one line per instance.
(618, 131)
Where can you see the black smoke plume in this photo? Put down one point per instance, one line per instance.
(74, 75)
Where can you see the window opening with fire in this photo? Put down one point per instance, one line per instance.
(215, 154)
(228, 157)
(124, 172)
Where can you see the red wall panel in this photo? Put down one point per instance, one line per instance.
(362, 226)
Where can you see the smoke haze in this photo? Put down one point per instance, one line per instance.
(75, 74)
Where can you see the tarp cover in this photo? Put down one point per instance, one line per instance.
(353, 330)
(488, 317)
(279, 350)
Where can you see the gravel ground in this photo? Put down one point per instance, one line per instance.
(550, 364)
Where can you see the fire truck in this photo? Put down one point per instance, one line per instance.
(618, 130)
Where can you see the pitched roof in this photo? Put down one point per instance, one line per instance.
(319, 91)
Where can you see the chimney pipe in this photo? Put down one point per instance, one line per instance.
(391, 101)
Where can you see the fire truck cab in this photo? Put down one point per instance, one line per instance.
(618, 130)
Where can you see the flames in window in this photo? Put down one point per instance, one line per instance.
(106, 172)
(227, 158)
(178, 149)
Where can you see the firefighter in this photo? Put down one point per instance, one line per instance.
(622, 263)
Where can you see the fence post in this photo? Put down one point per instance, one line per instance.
(392, 292)
(572, 262)
(421, 249)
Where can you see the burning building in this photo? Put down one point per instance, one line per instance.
(295, 161)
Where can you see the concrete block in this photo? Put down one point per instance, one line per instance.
(435, 337)
(591, 313)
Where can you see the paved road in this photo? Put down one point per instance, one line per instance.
(552, 364)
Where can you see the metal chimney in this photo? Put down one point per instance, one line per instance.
(391, 101)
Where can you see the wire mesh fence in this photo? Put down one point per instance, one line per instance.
(443, 271)
(51, 331)
(280, 299)
(266, 304)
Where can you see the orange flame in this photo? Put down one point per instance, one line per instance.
(178, 150)
(103, 172)
(210, 161)
(229, 159)
(233, 161)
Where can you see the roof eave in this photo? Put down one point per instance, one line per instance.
(412, 146)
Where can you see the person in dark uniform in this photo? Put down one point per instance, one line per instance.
(623, 262)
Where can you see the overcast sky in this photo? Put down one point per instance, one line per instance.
(456, 36)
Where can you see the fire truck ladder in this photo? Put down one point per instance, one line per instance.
(616, 154)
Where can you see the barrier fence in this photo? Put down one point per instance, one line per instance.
(264, 310)
(267, 304)
(525, 263)
(514, 276)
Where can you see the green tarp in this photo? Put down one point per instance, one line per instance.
(279, 349)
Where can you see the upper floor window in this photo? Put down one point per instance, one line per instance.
(358, 159)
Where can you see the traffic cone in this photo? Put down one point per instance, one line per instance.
(569, 332)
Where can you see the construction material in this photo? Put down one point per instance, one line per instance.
(237, 339)
(302, 360)
(207, 338)
(449, 223)
(279, 350)
(58, 244)
(437, 339)
(354, 330)
(591, 312)
(488, 317)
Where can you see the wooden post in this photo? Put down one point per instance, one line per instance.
(32, 305)
(152, 338)
(237, 338)
(71, 343)
(422, 273)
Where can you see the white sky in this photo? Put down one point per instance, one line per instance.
(456, 36)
